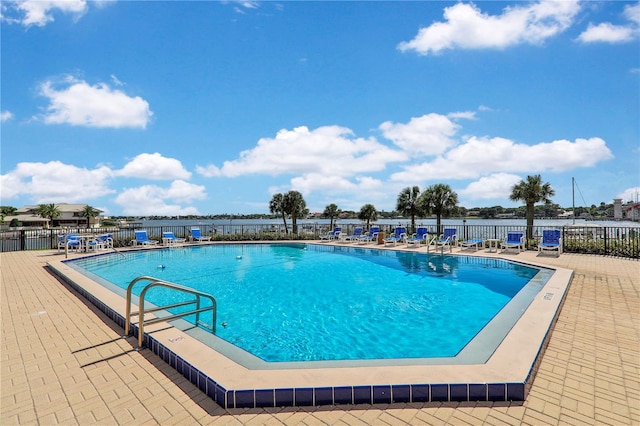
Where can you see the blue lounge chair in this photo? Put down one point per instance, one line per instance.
(332, 235)
(449, 238)
(419, 237)
(399, 236)
(474, 243)
(370, 236)
(515, 239)
(197, 236)
(105, 240)
(143, 239)
(551, 240)
(357, 233)
(168, 238)
(73, 242)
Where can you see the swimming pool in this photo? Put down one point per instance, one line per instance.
(508, 351)
(305, 302)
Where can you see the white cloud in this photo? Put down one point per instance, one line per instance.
(55, 182)
(609, 33)
(76, 102)
(40, 12)
(154, 166)
(154, 200)
(632, 13)
(468, 115)
(494, 186)
(481, 156)
(328, 150)
(630, 194)
(430, 134)
(312, 182)
(116, 81)
(6, 116)
(467, 27)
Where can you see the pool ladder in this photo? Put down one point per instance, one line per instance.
(155, 282)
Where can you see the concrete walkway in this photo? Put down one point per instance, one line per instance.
(64, 362)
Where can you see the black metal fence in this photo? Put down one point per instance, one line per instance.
(610, 241)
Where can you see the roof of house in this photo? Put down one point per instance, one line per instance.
(63, 207)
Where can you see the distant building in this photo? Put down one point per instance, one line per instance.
(617, 208)
(631, 211)
(70, 216)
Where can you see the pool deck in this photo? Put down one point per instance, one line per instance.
(64, 362)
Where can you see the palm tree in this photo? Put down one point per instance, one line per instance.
(6, 211)
(331, 211)
(408, 205)
(89, 212)
(531, 191)
(369, 213)
(276, 206)
(49, 211)
(440, 200)
(295, 206)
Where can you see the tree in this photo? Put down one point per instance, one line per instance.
(89, 212)
(49, 211)
(407, 204)
(331, 211)
(440, 200)
(6, 211)
(531, 191)
(276, 206)
(369, 213)
(295, 206)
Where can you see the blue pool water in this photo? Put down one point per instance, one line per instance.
(306, 302)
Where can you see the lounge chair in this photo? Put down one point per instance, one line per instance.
(551, 240)
(143, 239)
(370, 236)
(475, 243)
(515, 239)
(197, 236)
(332, 235)
(73, 242)
(418, 238)
(449, 238)
(93, 244)
(169, 239)
(105, 240)
(357, 233)
(399, 236)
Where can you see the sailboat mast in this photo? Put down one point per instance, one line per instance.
(573, 198)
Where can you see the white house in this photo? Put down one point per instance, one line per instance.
(70, 216)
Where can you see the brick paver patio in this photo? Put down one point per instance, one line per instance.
(64, 362)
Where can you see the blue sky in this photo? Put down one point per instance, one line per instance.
(176, 108)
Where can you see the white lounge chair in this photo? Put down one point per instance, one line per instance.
(370, 236)
(418, 238)
(399, 236)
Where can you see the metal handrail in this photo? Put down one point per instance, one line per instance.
(155, 282)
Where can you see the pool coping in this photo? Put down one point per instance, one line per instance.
(506, 376)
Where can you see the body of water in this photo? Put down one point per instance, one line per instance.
(397, 222)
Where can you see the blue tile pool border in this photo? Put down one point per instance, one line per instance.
(340, 395)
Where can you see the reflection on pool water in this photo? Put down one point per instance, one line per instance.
(306, 302)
